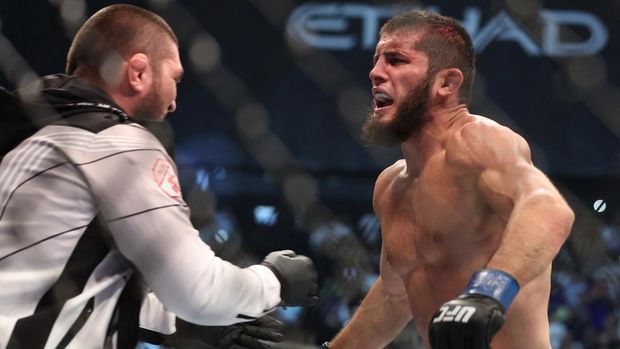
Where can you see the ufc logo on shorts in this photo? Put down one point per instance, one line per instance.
(456, 313)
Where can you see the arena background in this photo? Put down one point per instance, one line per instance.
(266, 134)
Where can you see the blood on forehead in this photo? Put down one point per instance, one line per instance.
(447, 33)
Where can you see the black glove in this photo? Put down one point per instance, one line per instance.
(471, 320)
(297, 275)
(246, 335)
(468, 322)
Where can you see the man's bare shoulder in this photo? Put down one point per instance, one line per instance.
(392, 171)
(482, 141)
(385, 178)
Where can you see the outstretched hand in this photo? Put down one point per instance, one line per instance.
(297, 275)
(264, 328)
(248, 335)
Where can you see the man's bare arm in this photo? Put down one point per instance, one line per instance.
(538, 221)
(381, 316)
(538, 218)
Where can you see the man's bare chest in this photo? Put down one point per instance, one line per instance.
(430, 220)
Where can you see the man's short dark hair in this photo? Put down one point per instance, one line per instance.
(446, 43)
(117, 29)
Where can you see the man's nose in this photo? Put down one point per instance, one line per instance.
(172, 107)
(377, 74)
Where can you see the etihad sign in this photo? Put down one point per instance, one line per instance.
(330, 26)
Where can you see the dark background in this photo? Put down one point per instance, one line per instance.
(267, 142)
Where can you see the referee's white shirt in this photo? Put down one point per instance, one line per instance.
(54, 184)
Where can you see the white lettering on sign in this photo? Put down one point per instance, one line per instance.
(329, 26)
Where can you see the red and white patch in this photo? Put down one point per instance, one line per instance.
(166, 178)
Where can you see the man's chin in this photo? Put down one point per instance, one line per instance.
(378, 132)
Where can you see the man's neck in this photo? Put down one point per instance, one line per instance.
(117, 93)
(421, 146)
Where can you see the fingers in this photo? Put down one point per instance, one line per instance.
(289, 253)
(264, 328)
(263, 333)
(267, 321)
(244, 341)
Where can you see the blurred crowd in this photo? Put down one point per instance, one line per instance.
(584, 307)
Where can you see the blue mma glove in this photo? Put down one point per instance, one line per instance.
(471, 320)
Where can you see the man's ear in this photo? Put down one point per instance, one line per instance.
(448, 82)
(138, 72)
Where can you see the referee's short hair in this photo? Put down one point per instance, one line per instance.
(122, 30)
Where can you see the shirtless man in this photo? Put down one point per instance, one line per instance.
(470, 226)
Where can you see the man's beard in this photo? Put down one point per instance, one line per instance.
(409, 118)
(150, 107)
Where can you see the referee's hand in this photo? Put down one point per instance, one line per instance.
(248, 335)
(297, 275)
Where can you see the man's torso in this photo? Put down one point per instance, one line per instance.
(437, 230)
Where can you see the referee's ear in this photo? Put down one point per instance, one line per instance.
(139, 73)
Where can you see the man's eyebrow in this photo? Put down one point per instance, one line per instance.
(389, 53)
